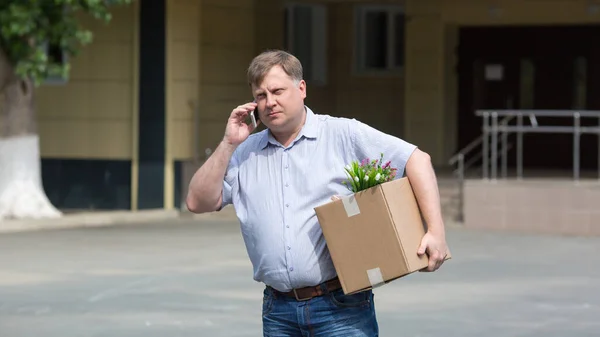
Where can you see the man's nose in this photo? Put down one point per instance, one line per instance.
(270, 100)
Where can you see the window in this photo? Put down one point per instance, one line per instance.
(55, 55)
(379, 38)
(306, 38)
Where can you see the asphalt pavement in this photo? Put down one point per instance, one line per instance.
(193, 278)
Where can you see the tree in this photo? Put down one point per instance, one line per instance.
(29, 33)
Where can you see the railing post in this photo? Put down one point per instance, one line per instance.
(519, 146)
(494, 145)
(576, 140)
(504, 148)
(485, 146)
(461, 182)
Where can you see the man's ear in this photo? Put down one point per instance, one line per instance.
(302, 87)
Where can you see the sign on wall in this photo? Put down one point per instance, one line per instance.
(494, 72)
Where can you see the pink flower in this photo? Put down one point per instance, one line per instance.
(387, 164)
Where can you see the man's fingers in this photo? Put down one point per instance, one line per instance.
(432, 264)
(335, 197)
(434, 250)
(243, 110)
(423, 247)
(435, 262)
(439, 264)
(439, 260)
(248, 106)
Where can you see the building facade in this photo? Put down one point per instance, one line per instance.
(148, 100)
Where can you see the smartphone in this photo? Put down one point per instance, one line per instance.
(254, 116)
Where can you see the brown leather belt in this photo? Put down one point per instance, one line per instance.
(306, 293)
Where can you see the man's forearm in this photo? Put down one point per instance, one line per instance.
(421, 175)
(206, 187)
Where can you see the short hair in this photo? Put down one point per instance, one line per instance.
(262, 64)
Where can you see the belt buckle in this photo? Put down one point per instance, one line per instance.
(300, 299)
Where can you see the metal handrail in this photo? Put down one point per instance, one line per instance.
(492, 129)
(576, 129)
(474, 143)
(461, 177)
(467, 164)
(539, 113)
(459, 158)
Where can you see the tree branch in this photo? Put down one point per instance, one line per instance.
(6, 70)
(27, 88)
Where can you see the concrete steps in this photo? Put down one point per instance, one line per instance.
(449, 198)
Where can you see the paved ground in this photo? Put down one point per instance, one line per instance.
(194, 279)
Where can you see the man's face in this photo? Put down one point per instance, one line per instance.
(280, 101)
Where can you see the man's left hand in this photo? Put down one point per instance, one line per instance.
(434, 245)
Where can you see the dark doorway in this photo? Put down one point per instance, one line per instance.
(550, 68)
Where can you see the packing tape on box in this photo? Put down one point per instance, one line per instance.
(350, 205)
(375, 277)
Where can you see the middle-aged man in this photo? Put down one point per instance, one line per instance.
(275, 178)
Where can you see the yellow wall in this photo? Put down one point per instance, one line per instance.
(209, 46)
(183, 50)
(182, 87)
(374, 99)
(228, 40)
(91, 115)
(431, 36)
(267, 14)
(227, 30)
(424, 103)
(371, 98)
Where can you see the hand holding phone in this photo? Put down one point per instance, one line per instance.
(242, 121)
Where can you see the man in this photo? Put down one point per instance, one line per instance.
(275, 178)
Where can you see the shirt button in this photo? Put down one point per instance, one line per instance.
(286, 185)
(287, 226)
(287, 205)
(291, 268)
(286, 166)
(288, 247)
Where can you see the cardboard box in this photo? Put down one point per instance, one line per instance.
(373, 235)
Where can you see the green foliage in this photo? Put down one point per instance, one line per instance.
(368, 174)
(34, 34)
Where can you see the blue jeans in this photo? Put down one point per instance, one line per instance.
(332, 314)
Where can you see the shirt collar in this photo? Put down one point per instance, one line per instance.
(309, 130)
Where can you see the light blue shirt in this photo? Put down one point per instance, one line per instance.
(274, 190)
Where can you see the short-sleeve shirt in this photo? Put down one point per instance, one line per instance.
(274, 190)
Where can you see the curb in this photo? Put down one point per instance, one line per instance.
(120, 218)
(87, 219)
(110, 218)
